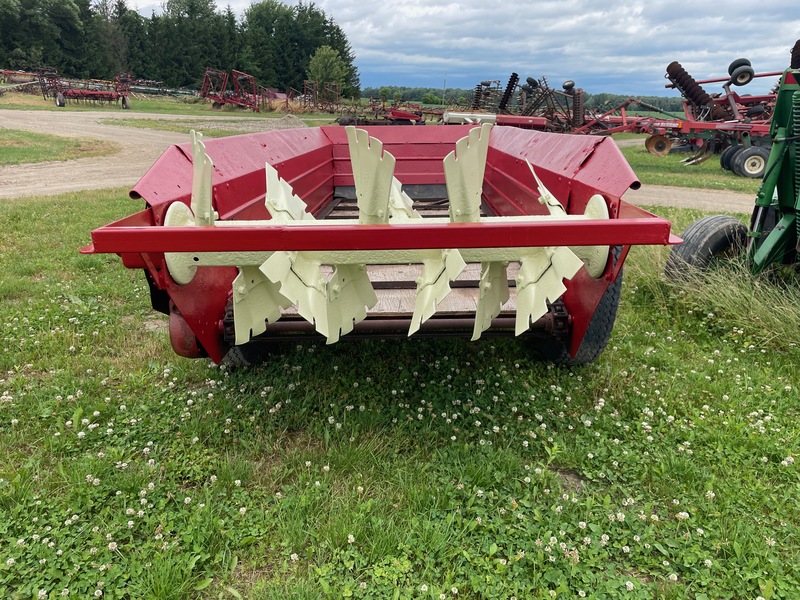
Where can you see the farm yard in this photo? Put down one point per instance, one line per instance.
(419, 468)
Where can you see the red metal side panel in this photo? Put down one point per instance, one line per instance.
(419, 151)
(573, 168)
(302, 156)
(592, 160)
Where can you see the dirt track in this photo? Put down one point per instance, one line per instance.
(141, 147)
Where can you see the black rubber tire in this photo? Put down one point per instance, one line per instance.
(726, 156)
(705, 241)
(597, 335)
(743, 75)
(246, 355)
(739, 62)
(750, 162)
(770, 218)
(253, 354)
(61, 102)
(126, 103)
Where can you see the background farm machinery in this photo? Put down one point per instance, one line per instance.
(531, 105)
(773, 237)
(379, 112)
(734, 126)
(52, 86)
(237, 89)
(536, 105)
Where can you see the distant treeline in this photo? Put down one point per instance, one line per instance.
(459, 96)
(101, 38)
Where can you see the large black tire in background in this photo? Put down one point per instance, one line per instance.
(704, 241)
(126, 103)
(597, 335)
(739, 62)
(61, 102)
(750, 162)
(726, 156)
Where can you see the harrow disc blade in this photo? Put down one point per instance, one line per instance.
(658, 145)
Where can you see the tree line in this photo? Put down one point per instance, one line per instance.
(273, 42)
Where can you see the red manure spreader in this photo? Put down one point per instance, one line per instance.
(328, 232)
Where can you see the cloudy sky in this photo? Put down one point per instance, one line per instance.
(613, 46)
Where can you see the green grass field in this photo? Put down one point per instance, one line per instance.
(395, 469)
(669, 170)
(20, 147)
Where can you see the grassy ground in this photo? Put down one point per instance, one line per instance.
(669, 170)
(150, 105)
(216, 128)
(405, 469)
(18, 147)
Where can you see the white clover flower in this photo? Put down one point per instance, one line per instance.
(351, 538)
(672, 577)
(242, 510)
(112, 546)
(293, 557)
(423, 588)
(629, 586)
(187, 500)
(11, 562)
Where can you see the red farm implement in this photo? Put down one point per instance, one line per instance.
(773, 237)
(387, 116)
(385, 231)
(60, 91)
(242, 91)
(732, 125)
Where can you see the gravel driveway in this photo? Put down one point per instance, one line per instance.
(141, 147)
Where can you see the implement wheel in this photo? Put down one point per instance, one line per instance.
(739, 62)
(61, 102)
(742, 75)
(726, 156)
(597, 335)
(750, 162)
(126, 103)
(705, 241)
(658, 145)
